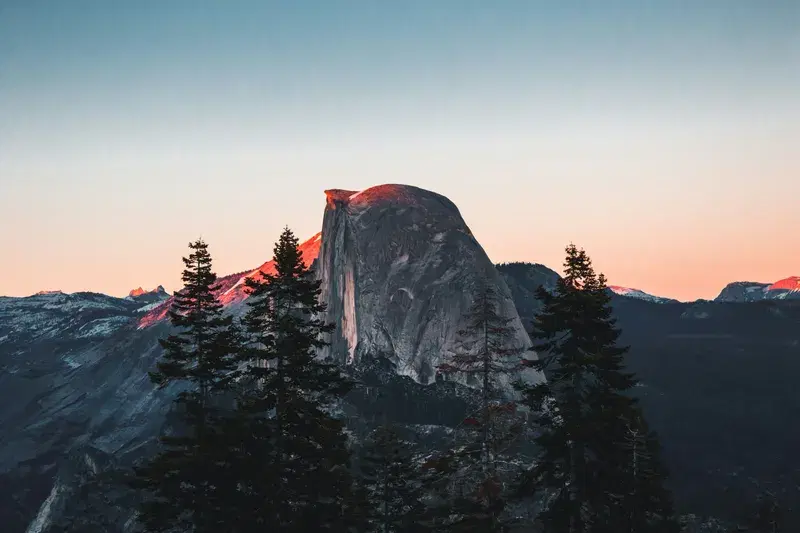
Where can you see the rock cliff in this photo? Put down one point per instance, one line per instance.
(399, 268)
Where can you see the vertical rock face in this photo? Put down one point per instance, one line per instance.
(399, 268)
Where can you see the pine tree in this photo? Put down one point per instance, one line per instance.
(184, 481)
(593, 473)
(294, 454)
(495, 357)
(393, 486)
(459, 499)
(638, 484)
(489, 357)
(444, 510)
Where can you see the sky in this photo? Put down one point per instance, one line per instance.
(662, 137)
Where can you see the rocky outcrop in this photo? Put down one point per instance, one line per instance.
(148, 297)
(399, 268)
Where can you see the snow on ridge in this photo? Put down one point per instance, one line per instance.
(636, 293)
(102, 327)
(628, 291)
(622, 290)
(242, 280)
(149, 307)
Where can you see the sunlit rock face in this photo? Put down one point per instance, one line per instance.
(231, 290)
(399, 268)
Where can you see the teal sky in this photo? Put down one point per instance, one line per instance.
(664, 137)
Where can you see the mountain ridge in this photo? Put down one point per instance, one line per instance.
(753, 291)
(629, 292)
(231, 288)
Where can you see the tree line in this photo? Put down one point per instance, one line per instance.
(256, 444)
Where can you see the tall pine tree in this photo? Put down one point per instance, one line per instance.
(584, 416)
(183, 483)
(295, 458)
(647, 505)
(489, 356)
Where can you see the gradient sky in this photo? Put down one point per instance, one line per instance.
(664, 137)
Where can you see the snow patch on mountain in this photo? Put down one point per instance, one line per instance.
(638, 294)
(148, 307)
(102, 327)
(241, 282)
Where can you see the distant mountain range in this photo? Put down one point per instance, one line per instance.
(231, 287)
(737, 291)
(398, 265)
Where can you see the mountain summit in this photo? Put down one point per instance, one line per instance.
(399, 268)
(791, 284)
(150, 298)
(751, 291)
(158, 291)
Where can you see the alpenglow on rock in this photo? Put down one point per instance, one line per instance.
(399, 268)
(749, 291)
